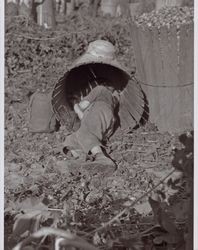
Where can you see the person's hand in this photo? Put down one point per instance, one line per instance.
(116, 94)
(80, 115)
(78, 111)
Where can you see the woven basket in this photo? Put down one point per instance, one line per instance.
(97, 65)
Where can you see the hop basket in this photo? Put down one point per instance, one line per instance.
(164, 65)
(97, 63)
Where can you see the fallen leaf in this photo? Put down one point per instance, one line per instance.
(143, 208)
(30, 204)
(26, 222)
(96, 239)
(166, 222)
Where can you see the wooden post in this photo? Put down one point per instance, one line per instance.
(65, 7)
(93, 7)
(109, 7)
(46, 14)
(70, 6)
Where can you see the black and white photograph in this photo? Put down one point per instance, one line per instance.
(98, 125)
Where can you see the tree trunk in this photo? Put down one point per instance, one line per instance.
(65, 7)
(11, 9)
(46, 14)
(59, 6)
(70, 7)
(94, 6)
(34, 9)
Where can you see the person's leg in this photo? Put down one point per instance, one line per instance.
(100, 156)
(87, 140)
(90, 143)
(91, 133)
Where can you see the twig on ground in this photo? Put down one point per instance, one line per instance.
(55, 209)
(23, 71)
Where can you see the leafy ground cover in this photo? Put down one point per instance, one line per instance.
(145, 204)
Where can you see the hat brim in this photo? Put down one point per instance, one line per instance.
(88, 58)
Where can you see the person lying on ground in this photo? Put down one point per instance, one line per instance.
(97, 114)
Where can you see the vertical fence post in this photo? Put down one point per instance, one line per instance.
(137, 52)
(46, 14)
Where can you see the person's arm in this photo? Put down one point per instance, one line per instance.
(80, 107)
(93, 94)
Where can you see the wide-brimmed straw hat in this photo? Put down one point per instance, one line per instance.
(98, 64)
(100, 51)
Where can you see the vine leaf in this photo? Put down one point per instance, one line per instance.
(32, 210)
(162, 217)
(143, 208)
(27, 222)
(181, 209)
(30, 204)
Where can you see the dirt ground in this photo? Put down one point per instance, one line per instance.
(78, 200)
